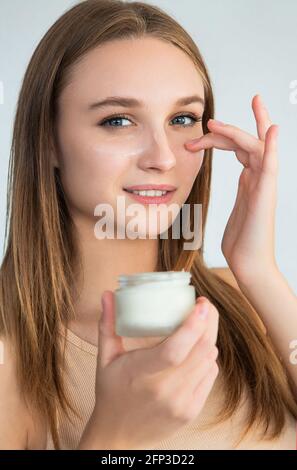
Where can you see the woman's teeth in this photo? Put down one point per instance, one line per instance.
(150, 192)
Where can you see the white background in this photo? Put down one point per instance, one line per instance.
(249, 47)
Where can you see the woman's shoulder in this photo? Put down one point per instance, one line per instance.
(226, 274)
(20, 428)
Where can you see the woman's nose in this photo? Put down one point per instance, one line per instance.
(159, 156)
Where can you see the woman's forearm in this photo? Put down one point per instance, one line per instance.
(276, 304)
(95, 438)
(99, 435)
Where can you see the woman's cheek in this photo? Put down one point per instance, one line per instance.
(199, 156)
(84, 178)
(190, 172)
(195, 161)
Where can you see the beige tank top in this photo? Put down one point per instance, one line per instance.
(80, 370)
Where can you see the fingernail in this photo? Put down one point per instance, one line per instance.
(218, 123)
(260, 99)
(203, 310)
(276, 130)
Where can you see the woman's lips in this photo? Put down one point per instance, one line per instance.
(151, 199)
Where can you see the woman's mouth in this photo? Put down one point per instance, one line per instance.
(151, 196)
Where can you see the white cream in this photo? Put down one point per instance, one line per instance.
(153, 303)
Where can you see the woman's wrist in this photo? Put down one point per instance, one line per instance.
(95, 437)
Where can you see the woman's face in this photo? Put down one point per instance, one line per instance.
(97, 161)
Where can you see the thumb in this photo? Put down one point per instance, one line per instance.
(110, 345)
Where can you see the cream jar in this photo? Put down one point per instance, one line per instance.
(153, 303)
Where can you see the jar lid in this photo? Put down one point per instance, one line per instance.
(154, 276)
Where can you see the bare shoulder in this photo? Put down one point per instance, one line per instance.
(20, 428)
(226, 274)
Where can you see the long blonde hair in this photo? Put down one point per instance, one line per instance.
(41, 259)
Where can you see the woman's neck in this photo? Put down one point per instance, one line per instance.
(102, 262)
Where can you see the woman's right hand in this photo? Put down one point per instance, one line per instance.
(146, 395)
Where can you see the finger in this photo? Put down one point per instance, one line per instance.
(173, 350)
(110, 345)
(201, 349)
(213, 324)
(193, 371)
(203, 389)
(236, 218)
(219, 142)
(243, 139)
(204, 346)
(195, 375)
(210, 140)
(211, 332)
(263, 121)
(269, 163)
(185, 391)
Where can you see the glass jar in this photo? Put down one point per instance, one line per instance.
(153, 303)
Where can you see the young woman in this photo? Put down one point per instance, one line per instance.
(222, 380)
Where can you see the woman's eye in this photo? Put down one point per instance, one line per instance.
(116, 119)
(193, 117)
(113, 120)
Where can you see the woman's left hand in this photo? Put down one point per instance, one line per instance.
(248, 240)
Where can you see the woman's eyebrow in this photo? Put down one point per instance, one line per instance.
(128, 102)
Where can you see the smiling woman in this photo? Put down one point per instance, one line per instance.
(68, 380)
